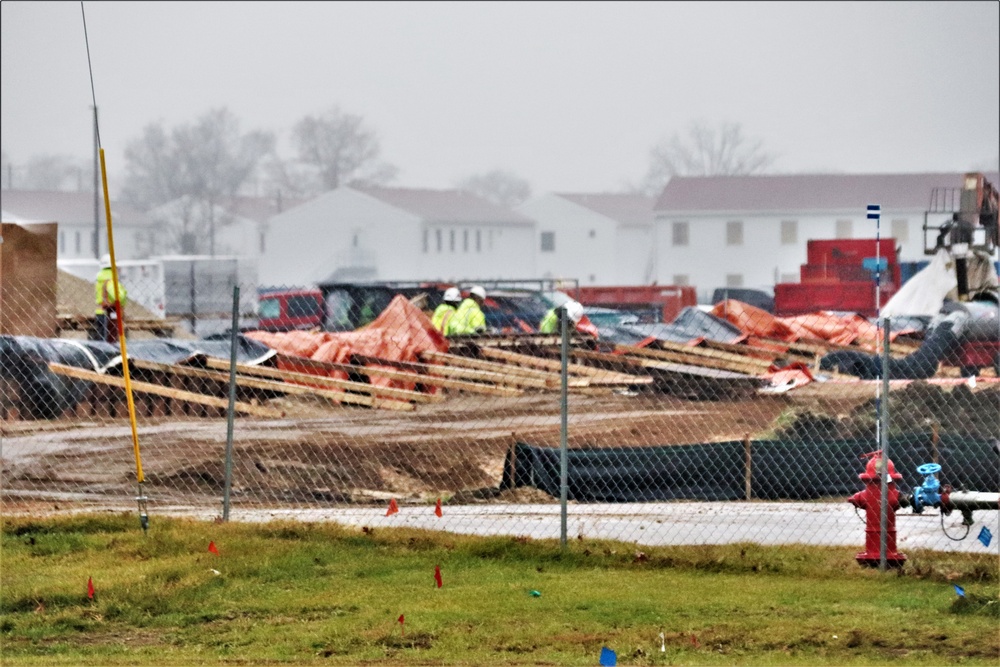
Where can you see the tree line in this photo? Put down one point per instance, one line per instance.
(206, 162)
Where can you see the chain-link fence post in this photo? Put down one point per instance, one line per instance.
(883, 419)
(563, 430)
(232, 404)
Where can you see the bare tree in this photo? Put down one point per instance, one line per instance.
(338, 149)
(207, 162)
(498, 186)
(47, 172)
(705, 151)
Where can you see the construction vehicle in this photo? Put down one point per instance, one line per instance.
(971, 226)
(970, 234)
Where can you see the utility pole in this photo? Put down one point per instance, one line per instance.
(97, 188)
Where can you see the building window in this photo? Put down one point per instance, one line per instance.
(437, 238)
(679, 233)
(261, 238)
(465, 240)
(734, 232)
(62, 242)
(901, 230)
(734, 280)
(77, 244)
(844, 229)
(593, 233)
(681, 279)
(548, 241)
(479, 240)
(427, 234)
(789, 232)
(451, 240)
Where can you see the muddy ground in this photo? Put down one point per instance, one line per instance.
(322, 453)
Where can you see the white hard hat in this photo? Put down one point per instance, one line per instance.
(452, 294)
(105, 261)
(478, 291)
(574, 311)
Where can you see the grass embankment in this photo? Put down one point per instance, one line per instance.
(319, 593)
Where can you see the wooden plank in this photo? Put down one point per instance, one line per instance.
(692, 360)
(741, 359)
(470, 374)
(326, 381)
(402, 376)
(179, 394)
(482, 364)
(596, 375)
(270, 385)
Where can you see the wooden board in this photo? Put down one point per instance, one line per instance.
(168, 392)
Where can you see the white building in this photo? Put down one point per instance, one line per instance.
(751, 231)
(598, 239)
(375, 233)
(80, 237)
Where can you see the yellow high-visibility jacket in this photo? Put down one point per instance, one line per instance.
(468, 319)
(104, 292)
(442, 314)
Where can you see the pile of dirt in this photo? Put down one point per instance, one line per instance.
(920, 407)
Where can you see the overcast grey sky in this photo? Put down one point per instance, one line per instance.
(568, 95)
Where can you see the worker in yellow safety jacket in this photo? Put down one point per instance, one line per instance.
(444, 312)
(105, 313)
(469, 318)
(550, 323)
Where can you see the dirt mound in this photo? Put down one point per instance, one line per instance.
(917, 408)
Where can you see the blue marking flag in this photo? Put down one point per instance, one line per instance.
(608, 657)
(985, 536)
(874, 211)
(959, 590)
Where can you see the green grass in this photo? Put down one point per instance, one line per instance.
(321, 594)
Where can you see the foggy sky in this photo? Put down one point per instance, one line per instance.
(571, 96)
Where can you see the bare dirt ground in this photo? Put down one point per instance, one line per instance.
(323, 454)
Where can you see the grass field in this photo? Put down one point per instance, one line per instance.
(294, 593)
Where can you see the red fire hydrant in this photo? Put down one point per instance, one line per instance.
(870, 500)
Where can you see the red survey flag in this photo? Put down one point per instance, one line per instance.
(402, 630)
(212, 548)
(437, 575)
(437, 508)
(90, 588)
(393, 507)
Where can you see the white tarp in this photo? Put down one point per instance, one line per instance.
(925, 293)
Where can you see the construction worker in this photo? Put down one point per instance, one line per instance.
(469, 318)
(105, 313)
(550, 323)
(444, 312)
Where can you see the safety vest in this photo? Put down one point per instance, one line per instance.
(442, 314)
(468, 319)
(104, 292)
(550, 323)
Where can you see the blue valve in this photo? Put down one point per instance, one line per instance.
(928, 493)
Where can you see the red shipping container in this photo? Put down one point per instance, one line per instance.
(849, 251)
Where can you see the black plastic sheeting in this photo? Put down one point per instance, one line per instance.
(46, 395)
(716, 471)
(940, 342)
(690, 324)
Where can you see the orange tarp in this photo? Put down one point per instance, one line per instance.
(837, 329)
(400, 333)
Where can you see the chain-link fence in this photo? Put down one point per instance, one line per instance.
(727, 425)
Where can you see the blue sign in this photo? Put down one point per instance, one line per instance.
(985, 536)
(608, 657)
(959, 590)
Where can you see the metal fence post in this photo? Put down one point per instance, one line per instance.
(232, 404)
(563, 436)
(884, 445)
